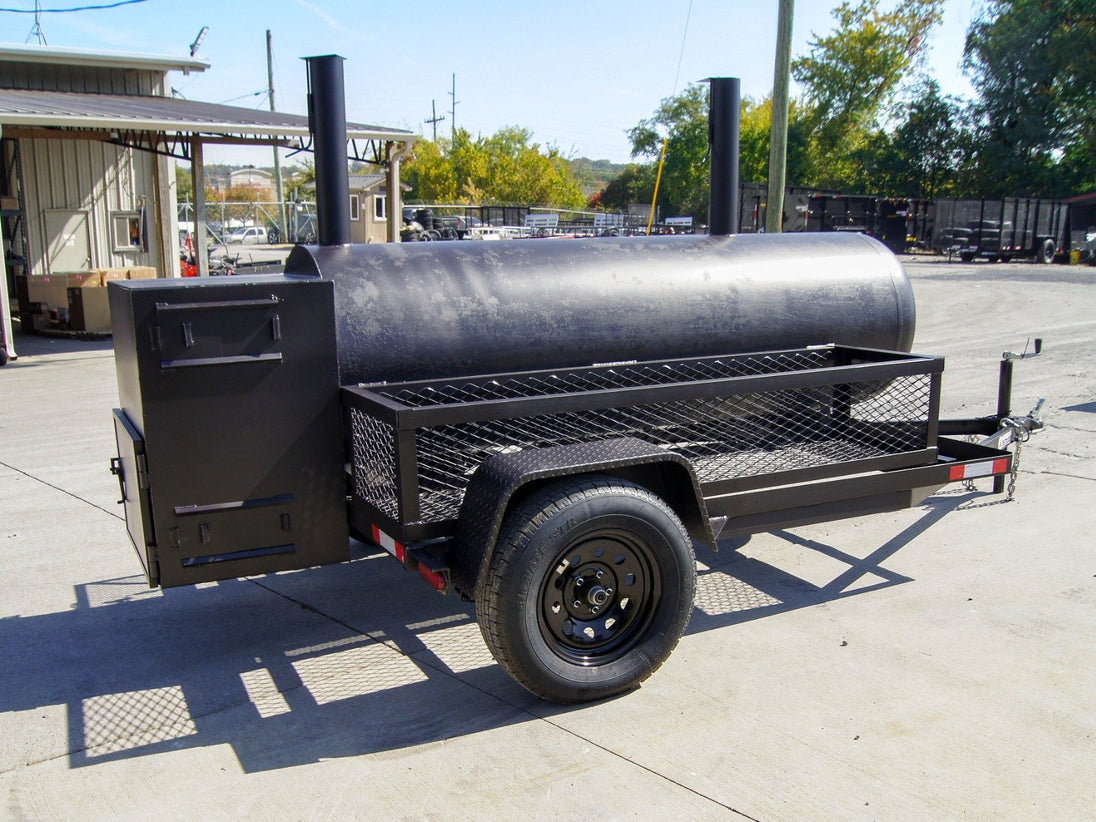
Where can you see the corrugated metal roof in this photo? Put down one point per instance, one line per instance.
(21, 107)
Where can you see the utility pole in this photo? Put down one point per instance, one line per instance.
(778, 137)
(453, 109)
(277, 159)
(434, 119)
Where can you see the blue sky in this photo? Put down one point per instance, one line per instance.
(577, 74)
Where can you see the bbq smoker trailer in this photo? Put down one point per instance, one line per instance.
(540, 427)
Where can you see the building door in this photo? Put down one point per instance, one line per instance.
(68, 244)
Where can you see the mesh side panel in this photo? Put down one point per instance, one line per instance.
(726, 438)
(374, 450)
(739, 435)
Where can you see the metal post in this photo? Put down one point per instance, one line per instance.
(778, 136)
(327, 122)
(1004, 407)
(453, 110)
(434, 118)
(392, 188)
(723, 128)
(277, 158)
(197, 172)
(7, 346)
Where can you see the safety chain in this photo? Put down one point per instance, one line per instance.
(1020, 435)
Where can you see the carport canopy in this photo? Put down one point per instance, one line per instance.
(181, 128)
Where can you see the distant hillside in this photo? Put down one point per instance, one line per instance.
(592, 175)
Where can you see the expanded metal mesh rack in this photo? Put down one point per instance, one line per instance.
(742, 421)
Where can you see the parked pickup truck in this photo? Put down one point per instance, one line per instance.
(248, 235)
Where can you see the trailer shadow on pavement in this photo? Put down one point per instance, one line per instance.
(739, 588)
(344, 660)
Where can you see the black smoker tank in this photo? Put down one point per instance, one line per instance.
(230, 440)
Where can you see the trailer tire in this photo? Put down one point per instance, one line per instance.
(966, 256)
(588, 590)
(1046, 252)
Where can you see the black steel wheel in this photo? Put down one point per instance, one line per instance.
(589, 589)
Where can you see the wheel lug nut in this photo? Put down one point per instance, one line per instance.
(579, 581)
(599, 574)
(578, 603)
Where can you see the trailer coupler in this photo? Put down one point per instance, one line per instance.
(1017, 429)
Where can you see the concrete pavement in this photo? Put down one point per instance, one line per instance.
(937, 663)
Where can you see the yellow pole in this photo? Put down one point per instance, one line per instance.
(658, 179)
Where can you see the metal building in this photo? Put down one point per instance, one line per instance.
(87, 141)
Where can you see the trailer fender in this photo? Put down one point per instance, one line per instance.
(503, 479)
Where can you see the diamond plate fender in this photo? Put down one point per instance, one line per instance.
(503, 477)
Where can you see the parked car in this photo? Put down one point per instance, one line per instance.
(248, 235)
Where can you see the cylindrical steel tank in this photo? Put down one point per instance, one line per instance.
(425, 310)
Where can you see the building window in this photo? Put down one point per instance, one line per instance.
(355, 213)
(380, 207)
(126, 231)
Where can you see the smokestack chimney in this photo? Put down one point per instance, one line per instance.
(723, 127)
(327, 122)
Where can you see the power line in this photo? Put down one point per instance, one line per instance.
(73, 8)
(262, 92)
(681, 54)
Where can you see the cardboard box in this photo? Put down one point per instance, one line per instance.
(141, 272)
(88, 308)
(50, 290)
(82, 279)
(108, 274)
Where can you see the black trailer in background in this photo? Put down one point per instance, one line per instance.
(993, 229)
(1002, 229)
(899, 223)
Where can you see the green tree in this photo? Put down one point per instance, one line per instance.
(184, 184)
(682, 122)
(296, 179)
(1033, 64)
(507, 167)
(431, 174)
(635, 184)
(755, 132)
(849, 75)
(921, 157)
